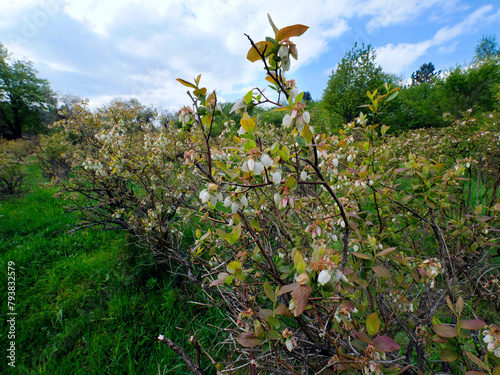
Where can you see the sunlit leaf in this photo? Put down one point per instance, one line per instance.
(262, 47)
(290, 31)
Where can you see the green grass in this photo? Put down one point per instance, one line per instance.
(87, 303)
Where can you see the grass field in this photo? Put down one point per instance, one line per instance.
(89, 303)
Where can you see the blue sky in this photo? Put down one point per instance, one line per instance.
(106, 49)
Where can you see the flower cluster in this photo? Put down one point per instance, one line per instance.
(287, 49)
(211, 194)
(492, 339)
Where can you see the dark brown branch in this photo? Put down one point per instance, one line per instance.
(187, 360)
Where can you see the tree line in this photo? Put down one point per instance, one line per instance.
(29, 105)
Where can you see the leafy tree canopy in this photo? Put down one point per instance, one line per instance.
(487, 48)
(348, 84)
(23, 95)
(426, 73)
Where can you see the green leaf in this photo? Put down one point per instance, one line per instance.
(306, 133)
(291, 183)
(373, 324)
(275, 29)
(268, 289)
(392, 96)
(299, 98)
(248, 97)
(384, 129)
(274, 323)
(301, 141)
(286, 151)
(274, 335)
(448, 355)
(234, 266)
(249, 145)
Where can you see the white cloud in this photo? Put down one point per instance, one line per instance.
(448, 48)
(144, 45)
(395, 59)
(472, 20)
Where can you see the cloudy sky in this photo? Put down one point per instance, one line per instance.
(105, 49)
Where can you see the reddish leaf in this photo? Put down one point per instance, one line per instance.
(287, 288)
(472, 324)
(248, 339)
(283, 310)
(362, 255)
(385, 344)
(445, 330)
(221, 279)
(381, 271)
(477, 361)
(440, 339)
(264, 314)
(387, 251)
(476, 373)
(301, 297)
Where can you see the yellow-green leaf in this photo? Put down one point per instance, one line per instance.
(262, 47)
(373, 324)
(248, 124)
(289, 31)
(448, 355)
(201, 91)
(186, 83)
